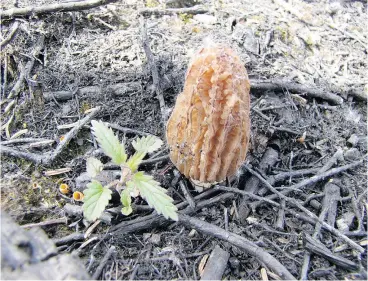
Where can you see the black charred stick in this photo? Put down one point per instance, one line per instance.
(269, 159)
(318, 248)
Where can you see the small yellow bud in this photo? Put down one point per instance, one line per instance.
(64, 188)
(35, 185)
(78, 196)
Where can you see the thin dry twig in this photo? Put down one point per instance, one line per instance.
(10, 35)
(187, 194)
(23, 140)
(157, 11)
(69, 136)
(45, 223)
(52, 8)
(127, 130)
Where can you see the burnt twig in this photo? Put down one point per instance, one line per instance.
(191, 10)
(301, 185)
(240, 242)
(318, 248)
(52, 8)
(103, 263)
(69, 136)
(269, 159)
(186, 192)
(47, 158)
(150, 221)
(329, 208)
(27, 70)
(10, 36)
(127, 130)
(68, 239)
(280, 222)
(295, 203)
(33, 157)
(154, 70)
(279, 85)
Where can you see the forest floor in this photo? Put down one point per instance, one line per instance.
(307, 64)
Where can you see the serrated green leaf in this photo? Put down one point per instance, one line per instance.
(96, 198)
(135, 160)
(94, 167)
(126, 211)
(126, 200)
(109, 142)
(147, 144)
(132, 189)
(155, 195)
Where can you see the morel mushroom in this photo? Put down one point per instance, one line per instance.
(209, 128)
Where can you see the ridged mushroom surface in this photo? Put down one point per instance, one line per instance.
(208, 131)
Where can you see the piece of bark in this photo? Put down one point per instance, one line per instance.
(19, 247)
(318, 248)
(216, 264)
(32, 255)
(62, 267)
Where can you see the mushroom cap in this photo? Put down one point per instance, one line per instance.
(209, 128)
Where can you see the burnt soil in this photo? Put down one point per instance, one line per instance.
(317, 44)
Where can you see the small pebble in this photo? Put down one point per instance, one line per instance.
(234, 262)
(352, 154)
(353, 140)
(205, 19)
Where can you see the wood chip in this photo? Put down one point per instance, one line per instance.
(57, 172)
(264, 274)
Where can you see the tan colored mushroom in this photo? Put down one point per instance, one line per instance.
(209, 128)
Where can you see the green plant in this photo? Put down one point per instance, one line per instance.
(185, 17)
(132, 182)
